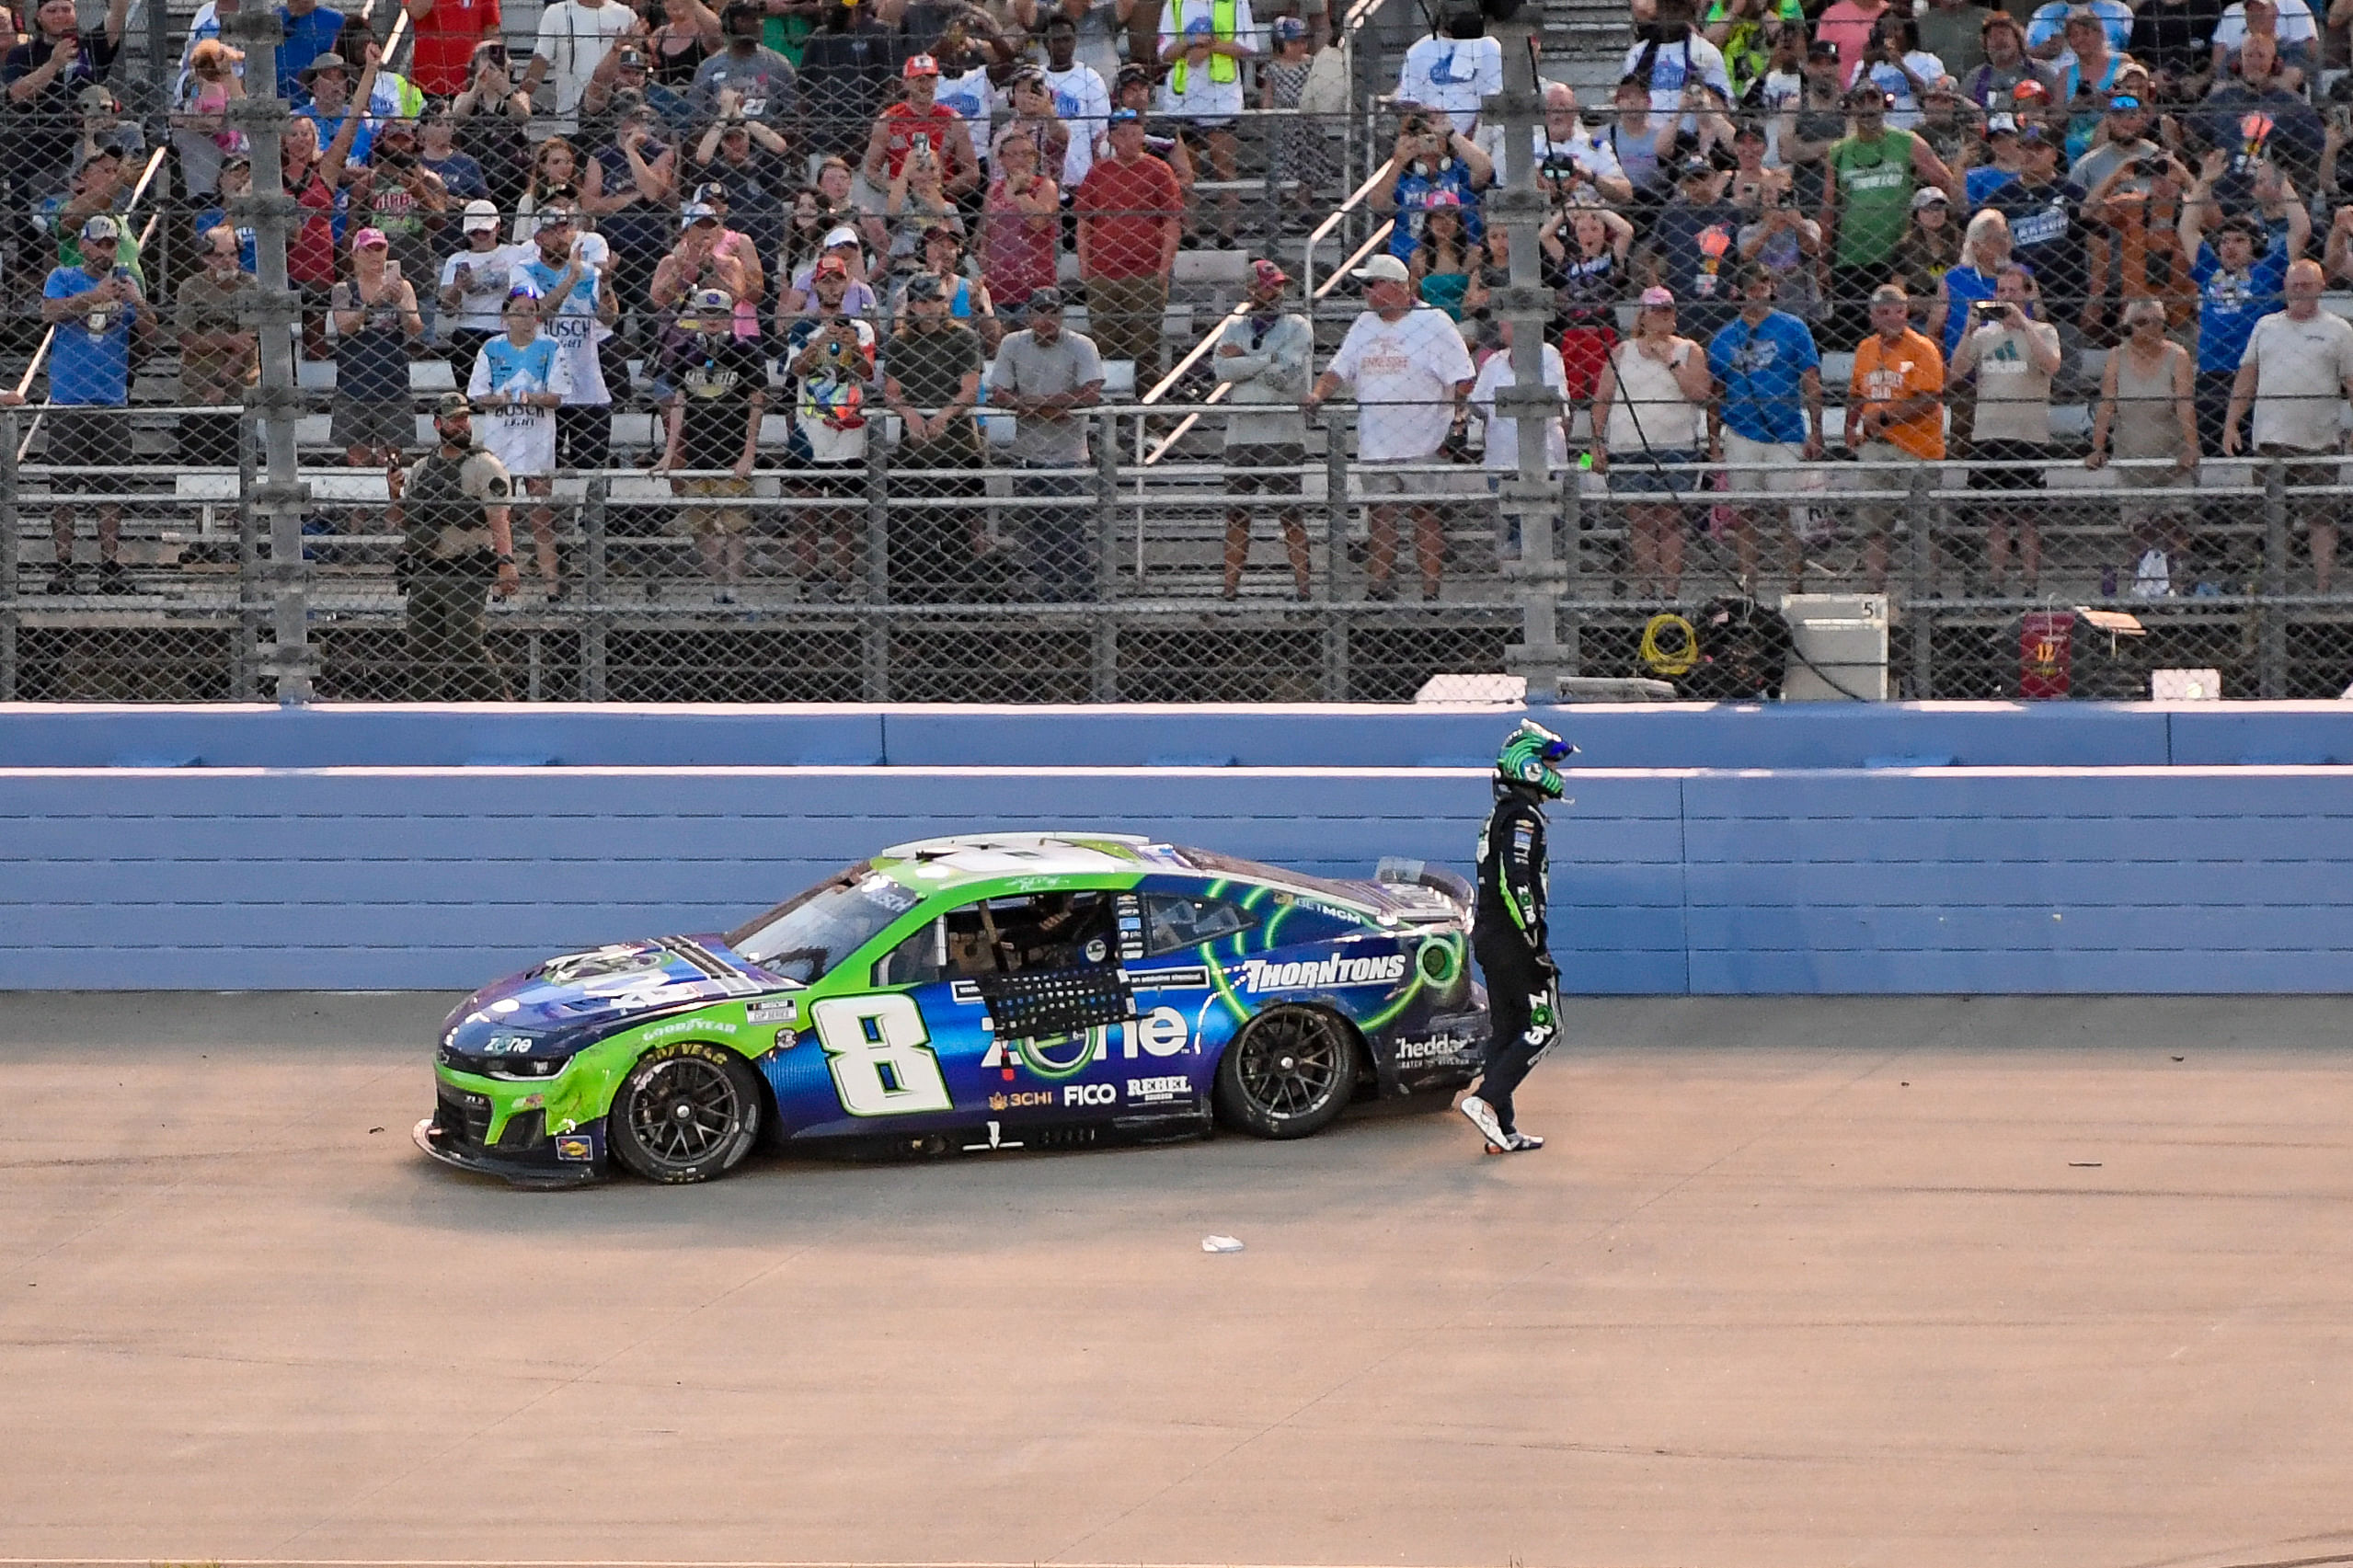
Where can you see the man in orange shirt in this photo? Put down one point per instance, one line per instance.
(1895, 415)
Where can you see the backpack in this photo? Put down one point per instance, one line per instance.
(1743, 651)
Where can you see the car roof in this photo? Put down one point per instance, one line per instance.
(978, 858)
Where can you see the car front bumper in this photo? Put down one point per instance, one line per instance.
(457, 1134)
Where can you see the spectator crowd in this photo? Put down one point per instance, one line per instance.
(831, 212)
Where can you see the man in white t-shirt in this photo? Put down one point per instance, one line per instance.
(1502, 453)
(2298, 373)
(1566, 150)
(574, 37)
(1455, 72)
(1082, 101)
(1412, 376)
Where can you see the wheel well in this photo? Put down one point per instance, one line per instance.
(1368, 1078)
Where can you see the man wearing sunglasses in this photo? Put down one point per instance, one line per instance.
(1508, 935)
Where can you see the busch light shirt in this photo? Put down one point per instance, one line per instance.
(2230, 303)
(575, 326)
(1456, 75)
(89, 362)
(1764, 372)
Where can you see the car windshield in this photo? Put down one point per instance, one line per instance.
(805, 936)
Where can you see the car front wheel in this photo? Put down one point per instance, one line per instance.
(1289, 1073)
(686, 1113)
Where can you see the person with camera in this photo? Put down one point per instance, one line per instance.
(2241, 278)
(2133, 214)
(45, 76)
(580, 306)
(397, 194)
(828, 359)
(1430, 158)
(719, 388)
(2012, 355)
(919, 128)
(491, 118)
(375, 318)
(94, 310)
(451, 508)
(916, 203)
(574, 37)
(628, 187)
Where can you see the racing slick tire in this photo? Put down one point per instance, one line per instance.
(1289, 1073)
(686, 1112)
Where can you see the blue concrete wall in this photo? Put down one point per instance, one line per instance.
(1922, 880)
(1810, 735)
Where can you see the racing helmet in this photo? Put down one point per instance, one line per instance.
(1527, 759)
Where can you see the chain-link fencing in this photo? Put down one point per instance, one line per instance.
(991, 578)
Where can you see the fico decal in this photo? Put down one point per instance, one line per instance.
(1258, 975)
(1089, 1093)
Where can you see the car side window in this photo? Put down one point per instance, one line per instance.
(919, 960)
(1174, 921)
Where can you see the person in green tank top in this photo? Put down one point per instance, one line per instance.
(1866, 200)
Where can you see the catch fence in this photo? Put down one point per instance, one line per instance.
(989, 579)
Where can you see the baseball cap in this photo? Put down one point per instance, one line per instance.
(101, 227)
(2029, 89)
(717, 300)
(449, 405)
(1124, 117)
(2036, 136)
(1821, 49)
(1694, 165)
(1929, 196)
(1654, 298)
(920, 65)
(1043, 300)
(368, 237)
(845, 234)
(1267, 272)
(1382, 269)
(1944, 87)
(2123, 103)
(695, 212)
(2081, 14)
(480, 215)
(96, 96)
(830, 267)
(1287, 28)
(2000, 125)
(1440, 199)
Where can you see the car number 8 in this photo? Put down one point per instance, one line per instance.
(880, 1055)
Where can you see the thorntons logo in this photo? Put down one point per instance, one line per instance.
(1259, 975)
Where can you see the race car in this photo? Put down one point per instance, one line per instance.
(1029, 991)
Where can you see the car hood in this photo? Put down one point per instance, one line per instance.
(566, 1002)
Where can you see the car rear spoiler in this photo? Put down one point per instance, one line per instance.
(1399, 871)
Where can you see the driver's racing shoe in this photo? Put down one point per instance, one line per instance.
(1483, 1118)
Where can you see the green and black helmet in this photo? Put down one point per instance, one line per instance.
(1528, 759)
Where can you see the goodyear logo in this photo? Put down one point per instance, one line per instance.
(1258, 975)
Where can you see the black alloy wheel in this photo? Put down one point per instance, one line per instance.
(1289, 1073)
(686, 1113)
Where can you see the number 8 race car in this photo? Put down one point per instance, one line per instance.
(1006, 991)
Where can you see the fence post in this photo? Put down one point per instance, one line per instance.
(1336, 554)
(1107, 545)
(1572, 572)
(873, 629)
(245, 682)
(593, 649)
(1922, 523)
(8, 542)
(2271, 657)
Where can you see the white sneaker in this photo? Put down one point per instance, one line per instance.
(1483, 1118)
(1518, 1143)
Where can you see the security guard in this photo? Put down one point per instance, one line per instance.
(1508, 933)
(451, 510)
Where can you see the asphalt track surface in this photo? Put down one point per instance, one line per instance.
(1915, 1282)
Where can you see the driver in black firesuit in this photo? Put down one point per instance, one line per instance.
(1508, 933)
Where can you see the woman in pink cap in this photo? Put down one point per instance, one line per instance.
(1649, 424)
(376, 319)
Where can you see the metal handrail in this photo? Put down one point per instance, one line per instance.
(1222, 387)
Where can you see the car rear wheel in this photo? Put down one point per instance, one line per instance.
(1289, 1073)
(686, 1113)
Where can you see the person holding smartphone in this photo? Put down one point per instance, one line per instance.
(375, 318)
(2013, 354)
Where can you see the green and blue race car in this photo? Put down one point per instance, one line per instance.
(1016, 990)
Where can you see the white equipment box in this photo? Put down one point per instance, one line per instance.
(1838, 647)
